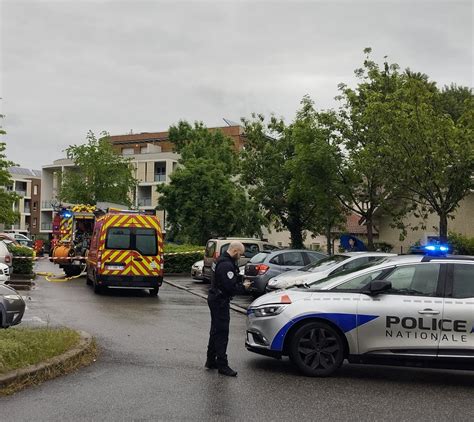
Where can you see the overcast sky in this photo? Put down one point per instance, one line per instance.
(70, 66)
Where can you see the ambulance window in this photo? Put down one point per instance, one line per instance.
(118, 238)
(145, 241)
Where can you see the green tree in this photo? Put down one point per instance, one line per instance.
(7, 199)
(315, 167)
(101, 174)
(288, 170)
(431, 147)
(203, 199)
(362, 132)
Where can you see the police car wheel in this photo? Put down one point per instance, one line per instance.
(317, 349)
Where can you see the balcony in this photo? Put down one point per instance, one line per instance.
(20, 192)
(144, 202)
(160, 177)
(27, 210)
(46, 204)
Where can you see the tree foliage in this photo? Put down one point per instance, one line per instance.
(288, 170)
(431, 147)
(101, 175)
(7, 199)
(362, 132)
(203, 199)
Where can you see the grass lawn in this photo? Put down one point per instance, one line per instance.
(20, 347)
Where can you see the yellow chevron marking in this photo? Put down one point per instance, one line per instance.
(141, 268)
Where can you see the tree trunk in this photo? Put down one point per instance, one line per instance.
(370, 234)
(443, 228)
(328, 240)
(296, 234)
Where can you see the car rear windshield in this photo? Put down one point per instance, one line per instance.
(142, 240)
(259, 258)
(324, 264)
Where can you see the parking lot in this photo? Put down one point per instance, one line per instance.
(151, 368)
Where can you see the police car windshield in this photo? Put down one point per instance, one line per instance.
(324, 264)
(332, 279)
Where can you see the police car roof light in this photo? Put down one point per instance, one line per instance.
(436, 250)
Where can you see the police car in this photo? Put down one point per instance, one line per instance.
(404, 310)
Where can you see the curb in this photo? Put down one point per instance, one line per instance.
(84, 345)
(235, 308)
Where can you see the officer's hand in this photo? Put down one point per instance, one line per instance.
(247, 284)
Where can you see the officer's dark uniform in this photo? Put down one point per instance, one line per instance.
(225, 283)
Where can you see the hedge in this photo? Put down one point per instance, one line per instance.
(174, 248)
(461, 245)
(181, 262)
(22, 265)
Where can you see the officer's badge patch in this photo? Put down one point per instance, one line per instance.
(230, 274)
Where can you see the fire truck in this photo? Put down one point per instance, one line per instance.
(72, 231)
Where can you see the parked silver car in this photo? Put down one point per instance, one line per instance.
(329, 266)
(265, 265)
(12, 307)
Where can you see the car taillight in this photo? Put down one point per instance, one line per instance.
(262, 268)
(99, 259)
(216, 255)
(8, 259)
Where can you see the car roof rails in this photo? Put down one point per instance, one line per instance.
(428, 258)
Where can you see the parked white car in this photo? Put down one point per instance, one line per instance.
(196, 270)
(4, 273)
(324, 268)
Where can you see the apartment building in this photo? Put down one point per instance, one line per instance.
(27, 184)
(153, 158)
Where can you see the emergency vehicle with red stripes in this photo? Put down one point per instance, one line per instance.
(118, 248)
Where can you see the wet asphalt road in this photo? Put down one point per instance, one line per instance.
(151, 368)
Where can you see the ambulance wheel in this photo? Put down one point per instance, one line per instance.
(317, 349)
(89, 282)
(154, 291)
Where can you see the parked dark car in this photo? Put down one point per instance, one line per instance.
(267, 264)
(12, 307)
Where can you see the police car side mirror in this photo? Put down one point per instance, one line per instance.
(376, 287)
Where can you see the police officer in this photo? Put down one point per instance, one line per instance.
(225, 283)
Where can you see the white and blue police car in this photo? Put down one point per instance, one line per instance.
(405, 310)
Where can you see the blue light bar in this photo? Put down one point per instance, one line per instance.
(436, 249)
(66, 214)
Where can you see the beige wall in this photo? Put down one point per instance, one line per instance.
(141, 171)
(463, 224)
(150, 171)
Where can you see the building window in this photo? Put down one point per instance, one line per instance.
(35, 206)
(128, 151)
(160, 172)
(35, 190)
(35, 222)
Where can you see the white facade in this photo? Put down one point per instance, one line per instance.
(22, 186)
(152, 168)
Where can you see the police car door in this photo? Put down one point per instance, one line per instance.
(406, 318)
(457, 338)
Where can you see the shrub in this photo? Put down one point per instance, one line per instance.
(461, 245)
(174, 247)
(181, 262)
(22, 259)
